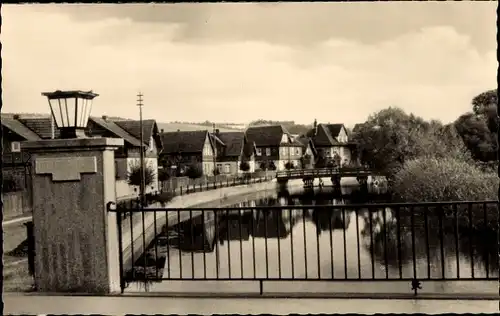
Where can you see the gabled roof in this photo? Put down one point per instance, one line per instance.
(134, 128)
(117, 130)
(41, 126)
(266, 135)
(233, 141)
(326, 135)
(334, 129)
(183, 141)
(18, 128)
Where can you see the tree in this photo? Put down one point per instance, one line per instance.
(163, 175)
(478, 128)
(134, 174)
(485, 105)
(391, 137)
(194, 172)
(244, 166)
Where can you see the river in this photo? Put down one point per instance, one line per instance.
(327, 244)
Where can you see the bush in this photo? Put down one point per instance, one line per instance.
(443, 179)
(244, 166)
(289, 166)
(263, 166)
(10, 184)
(134, 175)
(164, 197)
(193, 172)
(271, 165)
(163, 175)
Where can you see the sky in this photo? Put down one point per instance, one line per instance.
(336, 62)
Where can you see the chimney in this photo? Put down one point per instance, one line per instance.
(16, 116)
(105, 117)
(162, 131)
(315, 127)
(178, 130)
(217, 131)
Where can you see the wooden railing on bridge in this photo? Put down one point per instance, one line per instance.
(324, 172)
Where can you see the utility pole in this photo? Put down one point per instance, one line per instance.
(143, 184)
(215, 151)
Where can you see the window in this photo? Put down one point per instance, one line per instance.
(327, 152)
(219, 167)
(227, 168)
(259, 151)
(297, 151)
(268, 151)
(15, 147)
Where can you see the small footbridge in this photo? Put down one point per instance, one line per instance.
(335, 174)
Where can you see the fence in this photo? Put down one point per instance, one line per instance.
(16, 204)
(414, 243)
(324, 172)
(180, 186)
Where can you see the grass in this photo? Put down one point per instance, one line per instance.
(16, 277)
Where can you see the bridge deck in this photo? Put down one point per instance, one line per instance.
(325, 172)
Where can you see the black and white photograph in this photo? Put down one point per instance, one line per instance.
(250, 158)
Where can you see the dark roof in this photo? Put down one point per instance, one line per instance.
(183, 141)
(334, 129)
(326, 135)
(41, 126)
(116, 130)
(134, 128)
(233, 142)
(18, 128)
(266, 135)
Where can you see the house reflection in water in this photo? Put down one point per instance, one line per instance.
(330, 218)
(236, 225)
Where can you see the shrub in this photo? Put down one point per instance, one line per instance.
(244, 166)
(134, 175)
(263, 166)
(305, 160)
(193, 172)
(271, 165)
(163, 175)
(289, 166)
(443, 179)
(10, 184)
(164, 197)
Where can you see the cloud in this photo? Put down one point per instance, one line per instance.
(433, 71)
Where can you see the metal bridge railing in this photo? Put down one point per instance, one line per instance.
(410, 242)
(323, 172)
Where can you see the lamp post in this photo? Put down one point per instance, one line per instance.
(70, 111)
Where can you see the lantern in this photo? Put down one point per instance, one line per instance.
(70, 111)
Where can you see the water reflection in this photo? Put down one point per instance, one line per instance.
(332, 242)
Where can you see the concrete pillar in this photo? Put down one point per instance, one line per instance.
(76, 239)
